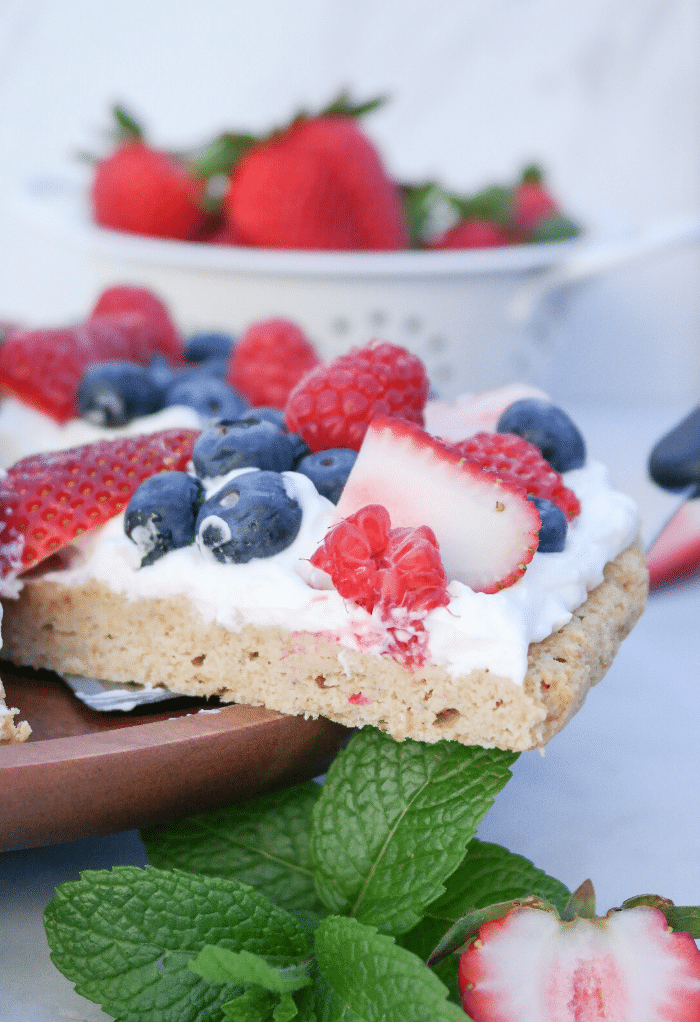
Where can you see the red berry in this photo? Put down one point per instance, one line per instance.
(531, 967)
(269, 360)
(318, 185)
(519, 462)
(333, 405)
(475, 232)
(397, 573)
(532, 204)
(50, 499)
(123, 298)
(144, 191)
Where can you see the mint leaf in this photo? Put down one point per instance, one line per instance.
(488, 874)
(255, 1005)
(393, 821)
(365, 977)
(125, 938)
(264, 843)
(224, 966)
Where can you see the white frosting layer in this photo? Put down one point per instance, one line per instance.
(25, 431)
(475, 631)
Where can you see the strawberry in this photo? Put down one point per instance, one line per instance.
(48, 500)
(396, 572)
(516, 460)
(44, 367)
(142, 190)
(131, 298)
(532, 203)
(319, 184)
(334, 403)
(486, 528)
(531, 966)
(474, 413)
(269, 360)
(475, 232)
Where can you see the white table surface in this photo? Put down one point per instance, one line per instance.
(613, 798)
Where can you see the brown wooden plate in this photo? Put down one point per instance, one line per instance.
(84, 773)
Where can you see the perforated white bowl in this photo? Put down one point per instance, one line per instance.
(472, 316)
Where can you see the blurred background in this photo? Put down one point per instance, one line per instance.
(607, 100)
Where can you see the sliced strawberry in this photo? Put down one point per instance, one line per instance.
(48, 500)
(474, 413)
(486, 529)
(529, 966)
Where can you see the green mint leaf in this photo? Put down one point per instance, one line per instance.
(488, 874)
(264, 843)
(393, 821)
(255, 1005)
(224, 966)
(365, 977)
(125, 938)
(286, 1009)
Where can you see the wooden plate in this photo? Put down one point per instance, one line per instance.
(83, 773)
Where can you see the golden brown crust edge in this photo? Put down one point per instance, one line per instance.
(94, 632)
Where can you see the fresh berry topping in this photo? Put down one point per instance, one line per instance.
(473, 413)
(114, 393)
(276, 416)
(210, 397)
(204, 346)
(60, 496)
(519, 463)
(251, 516)
(553, 528)
(318, 185)
(141, 190)
(162, 512)
(123, 298)
(532, 204)
(549, 428)
(334, 403)
(530, 966)
(250, 442)
(485, 526)
(475, 232)
(396, 573)
(328, 470)
(269, 360)
(162, 372)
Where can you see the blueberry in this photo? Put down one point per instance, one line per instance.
(277, 416)
(162, 512)
(114, 393)
(161, 371)
(249, 442)
(206, 345)
(208, 395)
(553, 528)
(547, 427)
(251, 516)
(328, 470)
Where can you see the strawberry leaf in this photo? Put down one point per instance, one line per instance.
(682, 918)
(222, 155)
(365, 977)
(556, 227)
(264, 843)
(126, 127)
(125, 938)
(393, 821)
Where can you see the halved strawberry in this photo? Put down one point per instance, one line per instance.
(486, 529)
(47, 500)
(474, 413)
(531, 966)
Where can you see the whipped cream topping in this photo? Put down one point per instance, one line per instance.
(474, 631)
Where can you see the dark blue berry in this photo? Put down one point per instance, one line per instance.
(553, 528)
(251, 516)
(547, 427)
(208, 395)
(206, 345)
(328, 470)
(249, 442)
(114, 393)
(277, 416)
(161, 371)
(162, 512)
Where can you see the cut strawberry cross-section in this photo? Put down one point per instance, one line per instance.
(46, 501)
(486, 528)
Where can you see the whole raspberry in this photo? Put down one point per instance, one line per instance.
(269, 360)
(518, 461)
(333, 405)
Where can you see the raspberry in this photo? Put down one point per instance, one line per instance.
(334, 404)
(131, 298)
(269, 360)
(396, 573)
(519, 462)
